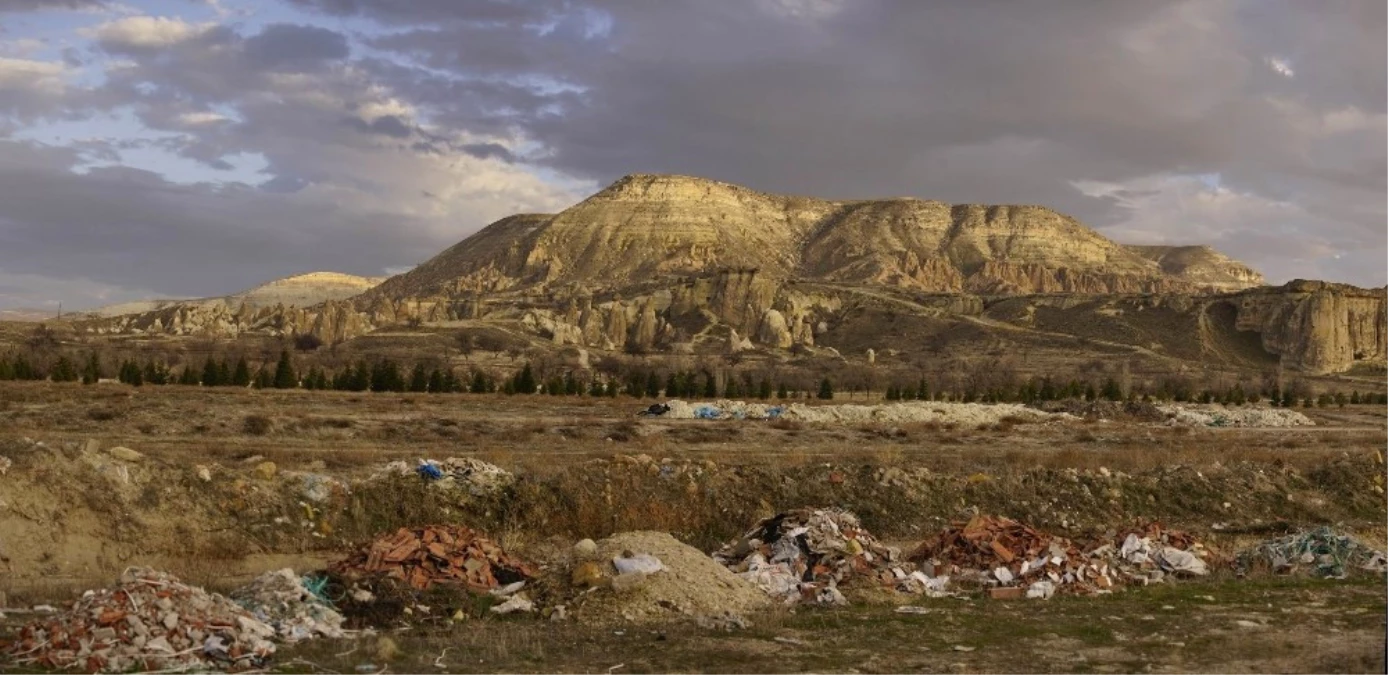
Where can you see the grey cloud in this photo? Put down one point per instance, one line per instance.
(37, 5)
(488, 151)
(289, 46)
(386, 125)
(431, 11)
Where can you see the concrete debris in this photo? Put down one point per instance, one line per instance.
(967, 414)
(283, 600)
(477, 477)
(516, 603)
(435, 554)
(125, 454)
(1321, 551)
(804, 555)
(149, 621)
(1213, 415)
(585, 549)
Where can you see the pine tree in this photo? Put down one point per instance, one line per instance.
(1111, 392)
(211, 375)
(451, 383)
(264, 379)
(242, 376)
(922, 391)
(223, 373)
(595, 388)
(652, 385)
(892, 393)
(479, 383)
(826, 389)
(435, 383)
(92, 373)
(189, 376)
(525, 380)
(419, 379)
(285, 377)
(135, 377)
(672, 386)
(764, 389)
(554, 386)
(1354, 397)
(732, 389)
(781, 392)
(63, 370)
(710, 385)
(572, 387)
(6, 370)
(22, 369)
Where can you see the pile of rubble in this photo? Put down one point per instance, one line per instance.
(966, 414)
(284, 600)
(150, 621)
(1321, 551)
(436, 554)
(1221, 416)
(477, 477)
(804, 555)
(1015, 560)
(1004, 553)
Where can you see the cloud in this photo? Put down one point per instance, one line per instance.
(1281, 67)
(145, 32)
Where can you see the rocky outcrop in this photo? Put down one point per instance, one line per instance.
(1316, 326)
(1201, 265)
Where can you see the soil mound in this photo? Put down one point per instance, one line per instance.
(691, 584)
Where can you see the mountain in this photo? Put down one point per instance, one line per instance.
(675, 266)
(27, 314)
(648, 227)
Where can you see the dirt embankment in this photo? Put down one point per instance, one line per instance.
(79, 511)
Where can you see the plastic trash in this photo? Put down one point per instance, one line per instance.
(429, 471)
(643, 563)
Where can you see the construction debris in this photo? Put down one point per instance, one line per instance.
(804, 555)
(284, 600)
(1212, 415)
(1000, 553)
(1322, 551)
(435, 554)
(477, 477)
(968, 414)
(150, 621)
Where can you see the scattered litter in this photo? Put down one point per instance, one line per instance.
(447, 554)
(1322, 550)
(803, 555)
(655, 410)
(963, 648)
(792, 641)
(5, 464)
(149, 621)
(283, 600)
(508, 589)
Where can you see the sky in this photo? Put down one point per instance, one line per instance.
(185, 148)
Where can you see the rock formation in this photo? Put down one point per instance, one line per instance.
(1315, 326)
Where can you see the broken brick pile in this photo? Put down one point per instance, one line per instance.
(437, 554)
(150, 621)
(805, 554)
(1016, 559)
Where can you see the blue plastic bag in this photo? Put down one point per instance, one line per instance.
(429, 472)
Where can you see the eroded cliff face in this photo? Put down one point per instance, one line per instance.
(1316, 326)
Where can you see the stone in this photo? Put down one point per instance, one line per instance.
(587, 575)
(125, 454)
(266, 470)
(585, 549)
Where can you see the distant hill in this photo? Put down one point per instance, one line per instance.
(300, 290)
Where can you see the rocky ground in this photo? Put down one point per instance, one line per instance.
(219, 486)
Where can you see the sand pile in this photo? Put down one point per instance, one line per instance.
(691, 584)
